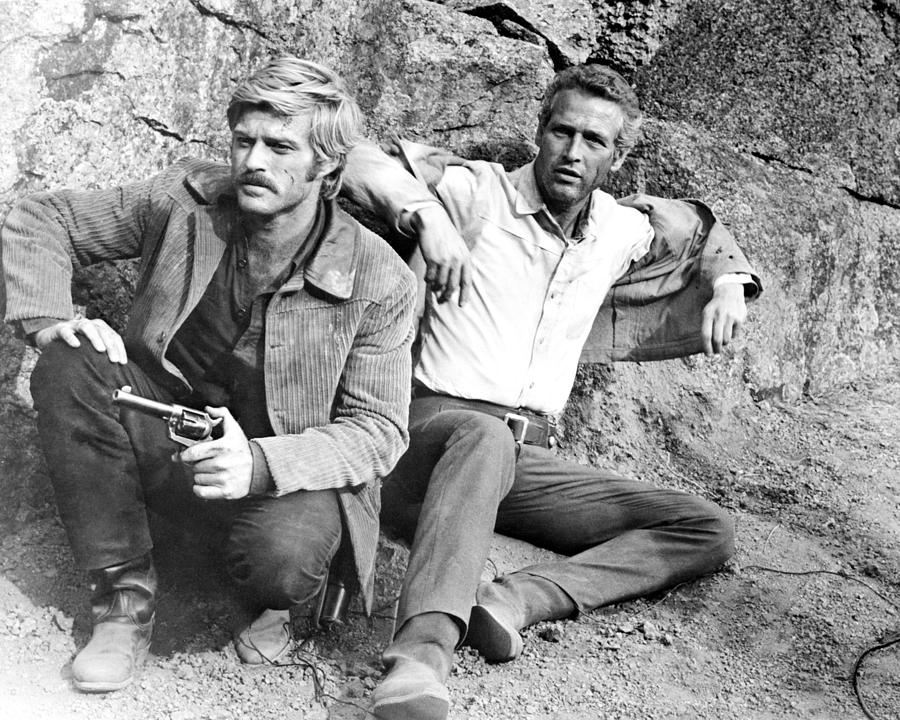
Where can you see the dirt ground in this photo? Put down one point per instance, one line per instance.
(813, 485)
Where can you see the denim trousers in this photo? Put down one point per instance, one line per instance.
(463, 479)
(108, 466)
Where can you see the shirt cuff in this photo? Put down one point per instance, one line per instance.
(26, 329)
(404, 220)
(261, 480)
(737, 278)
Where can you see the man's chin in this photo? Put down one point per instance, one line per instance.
(564, 195)
(253, 205)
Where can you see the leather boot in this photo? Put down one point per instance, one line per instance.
(123, 603)
(419, 660)
(508, 604)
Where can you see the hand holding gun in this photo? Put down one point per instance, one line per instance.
(185, 425)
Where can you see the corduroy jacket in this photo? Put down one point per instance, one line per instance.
(338, 332)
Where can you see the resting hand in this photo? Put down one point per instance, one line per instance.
(723, 317)
(222, 468)
(447, 259)
(101, 336)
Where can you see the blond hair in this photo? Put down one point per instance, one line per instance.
(290, 87)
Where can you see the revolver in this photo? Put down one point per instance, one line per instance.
(185, 425)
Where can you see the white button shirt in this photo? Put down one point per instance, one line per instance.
(535, 294)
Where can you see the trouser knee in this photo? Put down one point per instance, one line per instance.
(63, 373)
(278, 558)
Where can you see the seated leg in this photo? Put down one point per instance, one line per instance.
(278, 553)
(625, 539)
(457, 469)
(91, 455)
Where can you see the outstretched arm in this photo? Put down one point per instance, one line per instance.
(383, 185)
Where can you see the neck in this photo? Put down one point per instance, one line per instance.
(567, 217)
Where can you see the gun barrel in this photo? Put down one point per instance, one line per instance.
(149, 407)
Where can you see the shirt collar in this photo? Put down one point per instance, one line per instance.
(528, 197)
(332, 266)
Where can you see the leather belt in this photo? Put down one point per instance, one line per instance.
(527, 426)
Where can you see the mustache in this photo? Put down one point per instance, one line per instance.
(256, 178)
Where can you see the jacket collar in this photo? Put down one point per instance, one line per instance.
(332, 265)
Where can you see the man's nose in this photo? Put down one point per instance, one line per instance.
(256, 157)
(574, 148)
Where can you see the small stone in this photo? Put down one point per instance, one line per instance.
(649, 630)
(550, 634)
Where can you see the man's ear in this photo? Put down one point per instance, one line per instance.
(620, 156)
(327, 167)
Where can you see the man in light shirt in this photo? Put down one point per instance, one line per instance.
(521, 265)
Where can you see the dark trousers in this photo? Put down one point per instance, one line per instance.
(461, 480)
(109, 465)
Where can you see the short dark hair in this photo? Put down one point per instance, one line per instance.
(603, 82)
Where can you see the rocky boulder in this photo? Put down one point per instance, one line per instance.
(781, 115)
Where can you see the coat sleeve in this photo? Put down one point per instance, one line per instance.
(47, 235)
(654, 312)
(368, 432)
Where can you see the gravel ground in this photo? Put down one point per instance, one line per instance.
(813, 485)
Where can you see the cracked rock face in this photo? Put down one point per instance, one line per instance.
(781, 115)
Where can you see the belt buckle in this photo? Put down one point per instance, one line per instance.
(519, 426)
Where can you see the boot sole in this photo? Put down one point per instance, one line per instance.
(493, 639)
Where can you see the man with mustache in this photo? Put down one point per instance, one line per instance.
(259, 300)
(539, 257)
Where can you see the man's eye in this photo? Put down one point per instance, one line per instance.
(281, 149)
(242, 141)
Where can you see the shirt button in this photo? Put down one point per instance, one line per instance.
(161, 338)
(242, 263)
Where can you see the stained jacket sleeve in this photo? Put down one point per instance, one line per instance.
(47, 235)
(368, 431)
(654, 312)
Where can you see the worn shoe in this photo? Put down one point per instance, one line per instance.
(410, 691)
(112, 658)
(493, 624)
(265, 640)
(122, 610)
